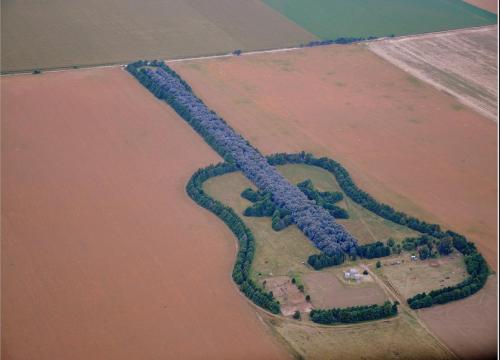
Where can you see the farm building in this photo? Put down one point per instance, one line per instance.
(352, 274)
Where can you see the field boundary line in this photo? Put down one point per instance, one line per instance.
(230, 54)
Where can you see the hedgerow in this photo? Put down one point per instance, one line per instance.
(246, 241)
(354, 314)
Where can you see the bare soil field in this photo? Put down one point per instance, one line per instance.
(412, 277)
(327, 291)
(490, 5)
(462, 63)
(67, 33)
(472, 334)
(403, 141)
(104, 256)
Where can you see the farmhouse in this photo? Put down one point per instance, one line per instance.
(352, 274)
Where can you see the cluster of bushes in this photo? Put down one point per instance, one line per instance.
(354, 314)
(325, 199)
(339, 40)
(433, 235)
(246, 248)
(425, 246)
(320, 261)
(263, 206)
(374, 250)
(314, 221)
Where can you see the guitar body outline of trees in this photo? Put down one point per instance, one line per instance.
(314, 221)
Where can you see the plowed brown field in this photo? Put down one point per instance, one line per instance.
(402, 140)
(490, 5)
(104, 256)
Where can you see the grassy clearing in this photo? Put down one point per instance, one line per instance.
(412, 277)
(329, 19)
(398, 338)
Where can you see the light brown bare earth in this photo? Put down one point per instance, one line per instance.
(462, 63)
(60, 33)
(104, 256)
(490, 5)
(405, 142)
(290, 297)
(327, 291)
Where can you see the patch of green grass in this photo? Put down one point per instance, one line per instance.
(329, 19)
(414, 81)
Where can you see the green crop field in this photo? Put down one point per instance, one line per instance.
(329, 19)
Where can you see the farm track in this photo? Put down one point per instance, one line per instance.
(387, 286)
(225, 55)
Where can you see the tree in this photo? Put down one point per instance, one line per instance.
(391, 242)
(308, 298)
(378, 264)
(445, 246)
(423, 252)
(296, 315)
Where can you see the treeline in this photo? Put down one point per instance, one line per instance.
(374, 250)
(320, 261)
(340, 40)
(445, 241)
(137, 69)
(354, 314)
(246, 248)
